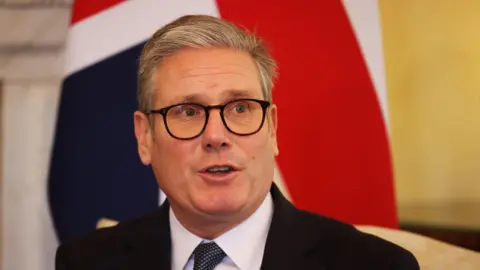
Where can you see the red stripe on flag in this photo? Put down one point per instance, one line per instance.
(83, 9)
(334, 151)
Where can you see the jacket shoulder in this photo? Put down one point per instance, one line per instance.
(342, 245)
(100, 247)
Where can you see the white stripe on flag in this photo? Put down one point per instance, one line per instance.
(123, 26)
(365, 20)
(278, 179)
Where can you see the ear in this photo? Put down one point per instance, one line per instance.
(143, 133)
(273, 127)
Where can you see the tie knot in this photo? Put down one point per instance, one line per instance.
(207, 256)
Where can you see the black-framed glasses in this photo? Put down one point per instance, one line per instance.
(186, 121)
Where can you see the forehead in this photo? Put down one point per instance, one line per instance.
(206, 75)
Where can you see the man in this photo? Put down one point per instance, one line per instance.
(207, 127)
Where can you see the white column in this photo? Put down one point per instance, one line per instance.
(28, 117)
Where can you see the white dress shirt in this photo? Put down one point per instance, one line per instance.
(243, 244)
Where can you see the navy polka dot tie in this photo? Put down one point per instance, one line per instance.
(207, 256)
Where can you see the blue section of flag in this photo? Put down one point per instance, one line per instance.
(95, 168)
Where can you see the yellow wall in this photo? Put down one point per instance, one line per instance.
(432, 52)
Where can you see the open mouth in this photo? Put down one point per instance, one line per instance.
(225, 169)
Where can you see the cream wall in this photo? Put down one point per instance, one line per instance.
(432, 51)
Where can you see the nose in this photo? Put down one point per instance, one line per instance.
(215, 136)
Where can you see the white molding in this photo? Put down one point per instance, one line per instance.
(32, 66)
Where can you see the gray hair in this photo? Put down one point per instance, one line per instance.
(200, 31)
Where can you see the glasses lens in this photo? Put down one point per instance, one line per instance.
(186, 120)
(243, 116)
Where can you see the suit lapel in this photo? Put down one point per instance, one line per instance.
(149, 244)
(291, 239)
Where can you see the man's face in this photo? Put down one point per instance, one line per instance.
(209, 77)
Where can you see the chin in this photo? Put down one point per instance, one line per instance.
(220, 204)
(220, 211)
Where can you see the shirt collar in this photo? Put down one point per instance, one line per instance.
(183, 242)
(245, 243)
(251, 233)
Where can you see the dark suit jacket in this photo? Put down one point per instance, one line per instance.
(296, 240)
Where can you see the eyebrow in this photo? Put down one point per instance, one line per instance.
(227, 96)
(236, 93)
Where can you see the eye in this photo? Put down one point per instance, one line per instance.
(240, 108)
(187, 110)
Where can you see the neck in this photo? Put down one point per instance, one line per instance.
(208, 231)
(210, 226)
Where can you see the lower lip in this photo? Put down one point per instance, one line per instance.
(220, 177)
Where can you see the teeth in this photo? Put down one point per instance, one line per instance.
(219, 169)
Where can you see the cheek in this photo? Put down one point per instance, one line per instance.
(173, 153)
(171, 158)
(259, 149)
